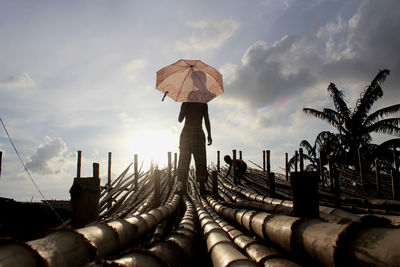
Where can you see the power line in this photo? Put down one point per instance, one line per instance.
(26, 169)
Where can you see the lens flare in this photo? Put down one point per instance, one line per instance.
(277, 103)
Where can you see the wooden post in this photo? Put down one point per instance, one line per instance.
(286, 167)
(1, 160)
(175, 164)
(171, 182)
(268, 156)
(271, 184)
(305, 194)
(301, 159)
(218, 161)
(96, 170)
(78, 168)
(378, 178)
(395, 175)
(109, 170)
(240, 155)
(296, 156)
(135, 162)
(157, 187)
(395, 185)
(321, 169)
(263, 160)
(109, 179)
(395, 162)
(215, 184)
(235, 180)
(360, 165)
(337, 188)
(331, 173)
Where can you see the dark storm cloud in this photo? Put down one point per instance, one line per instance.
(283, 69)
(340, 50)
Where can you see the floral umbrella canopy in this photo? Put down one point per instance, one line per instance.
(190, 81)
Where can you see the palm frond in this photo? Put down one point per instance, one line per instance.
(389, 143)
(391, 121)
(338, 100)
(332, 113)
(384, 126)
(369, 96)
(322, 115)
(384, 151)
(308, 147)
(311, 167)
(381, 113)
(322, 138)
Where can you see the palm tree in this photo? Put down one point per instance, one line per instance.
(355, 127)
(317, 154)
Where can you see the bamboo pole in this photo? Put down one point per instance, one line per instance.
(395, 185)
(170, 169)
(135, 164)
(157, 187)
(378, 178)
(395, 162)
(331, 173)
(321, 169)
(286, 167)
(175, 164)
(1, 160)
(296, 156)
(235, 179)
(268, 156)
(301, 159)
(96, 170)
(361, 169)
(218, 161)
(109, 169)
(109, 178)
(78, 169)
(271, 184)
(263, 160)
(325, 242)
(215, 184)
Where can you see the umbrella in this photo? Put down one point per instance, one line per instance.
(190, 81)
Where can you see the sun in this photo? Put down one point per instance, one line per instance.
(153, 145)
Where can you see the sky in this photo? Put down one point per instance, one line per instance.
(80, 75)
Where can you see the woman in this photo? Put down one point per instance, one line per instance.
(192, 141)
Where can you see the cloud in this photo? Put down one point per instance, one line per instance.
(132, 68)
(18, 81)
(271, 72)
(48, 156)
(345, 51)
(287, 3)
(208, 34)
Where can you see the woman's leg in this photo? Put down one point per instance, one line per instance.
(183, 166)
(200, 159)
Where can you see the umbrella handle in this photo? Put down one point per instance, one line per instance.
(164, 96)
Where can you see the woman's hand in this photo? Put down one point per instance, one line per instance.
(209, 139)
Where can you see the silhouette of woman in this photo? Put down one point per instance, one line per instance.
(192, 141)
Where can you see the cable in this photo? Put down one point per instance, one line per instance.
(23, 164)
